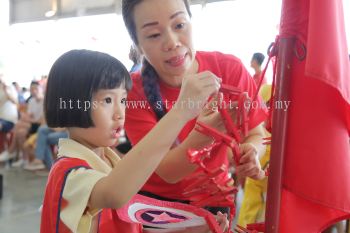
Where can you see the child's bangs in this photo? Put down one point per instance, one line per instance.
(114, 76)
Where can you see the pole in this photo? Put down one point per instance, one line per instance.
(279, 132)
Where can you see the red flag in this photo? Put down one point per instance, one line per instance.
(316, 172)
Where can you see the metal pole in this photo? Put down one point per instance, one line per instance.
(279, 131)
(1, 186)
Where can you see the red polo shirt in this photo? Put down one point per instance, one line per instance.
(140, 118)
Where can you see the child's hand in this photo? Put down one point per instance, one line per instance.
(249, 165)
(210, 116)
(195, 91)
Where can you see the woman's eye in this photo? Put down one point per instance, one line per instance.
(180, 25)
(108, 100)
(123, 101)
(153, 36)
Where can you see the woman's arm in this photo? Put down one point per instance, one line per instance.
(251, 150)
(175, 164)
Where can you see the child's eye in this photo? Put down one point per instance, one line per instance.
(123, 101)
(108, 100)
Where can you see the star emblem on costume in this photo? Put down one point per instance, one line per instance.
(163, 217)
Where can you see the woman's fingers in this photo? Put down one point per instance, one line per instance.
(250, 169)
(222, 220)
(250, 155)
(209, 80)
(212, 105)
(249, 163)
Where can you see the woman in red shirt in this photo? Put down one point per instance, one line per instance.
(162, 32)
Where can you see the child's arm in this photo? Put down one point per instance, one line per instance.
(130, 174)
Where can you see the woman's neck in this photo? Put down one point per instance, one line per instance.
(176, 81)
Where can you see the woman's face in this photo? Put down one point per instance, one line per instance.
(164, 33)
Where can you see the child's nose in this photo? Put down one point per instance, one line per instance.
(119, 114)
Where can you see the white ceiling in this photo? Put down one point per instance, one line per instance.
(34, 10)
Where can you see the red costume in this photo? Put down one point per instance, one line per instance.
(54, 203)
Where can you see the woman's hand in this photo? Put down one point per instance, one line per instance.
(249, 165)
(195, 91)
(220, 218)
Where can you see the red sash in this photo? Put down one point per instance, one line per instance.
(109, 221)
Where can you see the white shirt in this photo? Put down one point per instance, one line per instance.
(36, 108)
(79, 185)
(8, 110)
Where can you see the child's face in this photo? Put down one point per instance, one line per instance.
(108, 115)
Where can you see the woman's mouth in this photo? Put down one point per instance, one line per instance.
(176, 61)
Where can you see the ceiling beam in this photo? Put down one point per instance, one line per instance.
(35, 10)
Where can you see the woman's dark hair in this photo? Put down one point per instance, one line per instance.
(149, 74)
(73, 79)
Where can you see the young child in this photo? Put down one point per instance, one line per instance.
(86, 93)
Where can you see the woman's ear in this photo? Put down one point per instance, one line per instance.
(139, 50)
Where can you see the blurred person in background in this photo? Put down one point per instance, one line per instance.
(27, 125)
(21, 98)
(135, 57)
(255, 63)
(8, 112)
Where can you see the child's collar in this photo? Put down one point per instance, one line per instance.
(72, 149)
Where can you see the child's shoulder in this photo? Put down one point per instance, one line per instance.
(64, 165)
(211, 58)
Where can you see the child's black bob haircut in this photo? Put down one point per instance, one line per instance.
(73, 79)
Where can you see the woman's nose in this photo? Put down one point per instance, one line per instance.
(171, 41)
